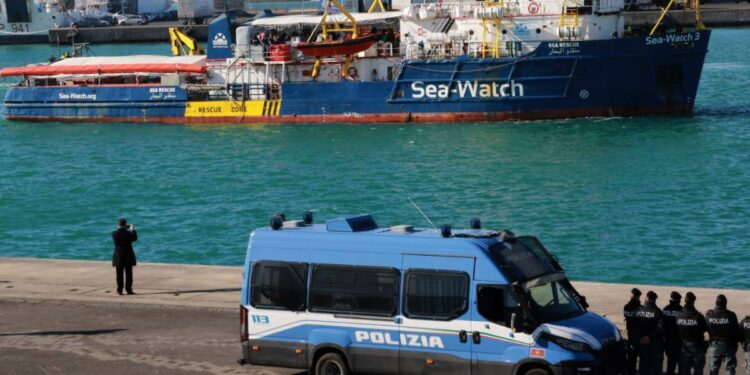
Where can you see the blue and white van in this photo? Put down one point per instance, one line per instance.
(351, 297)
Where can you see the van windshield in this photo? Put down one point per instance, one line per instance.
(525, 258)
(554, 301)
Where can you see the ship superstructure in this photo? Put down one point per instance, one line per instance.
(444, 61)
(29, 21)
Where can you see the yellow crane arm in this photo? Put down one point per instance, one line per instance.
(183, 44)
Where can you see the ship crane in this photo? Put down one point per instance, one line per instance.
(346, 47)
(183, 44)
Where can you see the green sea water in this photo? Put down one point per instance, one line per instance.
(663, 200)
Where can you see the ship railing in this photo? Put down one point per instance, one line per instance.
(378, 49)
(487, 9)
(235, 92)
(456, 49)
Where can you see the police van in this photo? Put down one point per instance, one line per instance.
(348, 296)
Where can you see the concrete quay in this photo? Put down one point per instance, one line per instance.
(152, 32)
(713, 15)
(64, 316)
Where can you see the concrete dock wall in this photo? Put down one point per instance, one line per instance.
(122, 34)
(724, 15)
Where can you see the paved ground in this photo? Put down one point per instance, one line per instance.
(74, 337)
(60, 316)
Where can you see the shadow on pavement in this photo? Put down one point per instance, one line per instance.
(178, 292)
(90, 332)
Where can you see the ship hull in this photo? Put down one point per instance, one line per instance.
(24, 38)
(618, 77)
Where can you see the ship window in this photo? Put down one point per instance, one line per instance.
(436, 295)
(279, 285)
(354, 290)
(17, 11)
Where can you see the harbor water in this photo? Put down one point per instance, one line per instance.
(661, 200)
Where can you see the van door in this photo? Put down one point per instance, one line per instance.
(278, 292)
(498, 348)
(435, 332)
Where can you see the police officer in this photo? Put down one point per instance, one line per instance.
(692, 328)
(672, 345)
(650, 337)
(722, 331)
(745, 337)
(630, 311)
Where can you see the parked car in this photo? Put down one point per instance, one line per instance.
(91, 22)
(131, 20)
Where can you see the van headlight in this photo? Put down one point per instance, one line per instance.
(575, 346)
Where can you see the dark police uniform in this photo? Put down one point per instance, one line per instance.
(123, 257)
(630, 311)
(651, 354)
(745, 337)
(722, 330)
(692, 327)
(672, 345)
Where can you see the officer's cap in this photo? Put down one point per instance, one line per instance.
(636, 292)
(675, 296)
(721, 300)
(690, 298)
(651, 295)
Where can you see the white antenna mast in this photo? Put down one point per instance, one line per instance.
(420, 211)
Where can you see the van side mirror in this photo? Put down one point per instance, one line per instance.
(583, 302)
(517, 322)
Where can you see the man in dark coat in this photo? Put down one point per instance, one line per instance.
(123, 259)
(650, 330)
(692, 327)
(722, 332)
(745, 341)
(630, 311)
(672, 344)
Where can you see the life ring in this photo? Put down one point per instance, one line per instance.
(533, 7)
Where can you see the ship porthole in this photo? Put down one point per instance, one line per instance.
(538, 30)
(505, 31)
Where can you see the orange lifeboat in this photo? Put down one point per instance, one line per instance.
(337, 47)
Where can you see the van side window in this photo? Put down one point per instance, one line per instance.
(279, 285)
(437, 295)
(354, 290)
(496, 304)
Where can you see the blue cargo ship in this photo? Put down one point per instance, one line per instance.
(432, 62)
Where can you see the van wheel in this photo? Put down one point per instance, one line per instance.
(537, 371)
(331, 364)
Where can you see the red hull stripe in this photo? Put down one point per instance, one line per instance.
(46, 70)
(378, 118)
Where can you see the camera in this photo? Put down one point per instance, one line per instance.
(131, 226)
